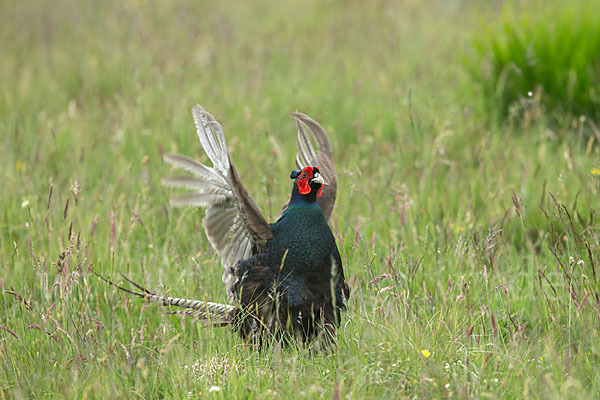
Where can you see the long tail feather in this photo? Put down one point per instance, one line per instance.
(214, 313)
(203, 316)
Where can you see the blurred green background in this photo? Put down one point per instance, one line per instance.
(467, 210)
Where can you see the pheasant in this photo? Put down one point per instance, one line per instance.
(285, 278)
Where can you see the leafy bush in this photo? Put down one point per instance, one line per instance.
(542, 54)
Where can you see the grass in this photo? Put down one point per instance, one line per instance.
(456, 236)
(549, 49)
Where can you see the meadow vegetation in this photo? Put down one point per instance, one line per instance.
(471, 247)
(542, 55)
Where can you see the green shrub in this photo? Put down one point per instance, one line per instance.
(541, 55)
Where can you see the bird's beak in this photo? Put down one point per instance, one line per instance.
(318, 179)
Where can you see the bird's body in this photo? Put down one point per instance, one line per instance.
(286, 278)
(292, 280)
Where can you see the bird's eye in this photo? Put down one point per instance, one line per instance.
(304, 175)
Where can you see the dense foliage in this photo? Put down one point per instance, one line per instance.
(541, 51)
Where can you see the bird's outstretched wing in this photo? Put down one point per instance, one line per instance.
(233, 223)
(307, 129)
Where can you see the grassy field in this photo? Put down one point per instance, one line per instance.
(472, 250)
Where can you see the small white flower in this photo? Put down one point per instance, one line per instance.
(580, 263)
(25, 203)
(214, 389)
(571, 260)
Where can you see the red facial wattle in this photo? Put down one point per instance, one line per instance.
(304, 181)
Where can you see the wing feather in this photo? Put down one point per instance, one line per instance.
(193, 183)
(306, 151)
(253, 219)
(233, 223)
(197, 199)
(211, 136)
(194, 167)
(308, 131)
(218, 229)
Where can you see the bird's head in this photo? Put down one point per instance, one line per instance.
(309, 182)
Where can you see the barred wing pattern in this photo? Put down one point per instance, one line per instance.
(323, 158)
(233, 223)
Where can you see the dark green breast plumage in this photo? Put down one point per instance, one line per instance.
(304, 249)
(299, 268)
